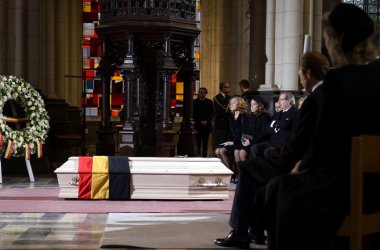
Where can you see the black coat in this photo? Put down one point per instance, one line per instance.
(221, 111)
(203, 110)
(310, 206)
(237, 127)
(281, 129)
(256, 125)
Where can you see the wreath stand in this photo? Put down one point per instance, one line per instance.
(27, 162)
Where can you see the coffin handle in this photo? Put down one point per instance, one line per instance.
(217, 183)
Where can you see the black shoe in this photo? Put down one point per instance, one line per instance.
(233, 240)
(257, 238)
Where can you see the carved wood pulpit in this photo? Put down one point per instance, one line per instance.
(149, 40)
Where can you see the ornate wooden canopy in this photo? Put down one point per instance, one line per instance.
(149, 40)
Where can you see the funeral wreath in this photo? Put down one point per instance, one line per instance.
(28, 139)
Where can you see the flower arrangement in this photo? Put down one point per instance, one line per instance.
(28, 140)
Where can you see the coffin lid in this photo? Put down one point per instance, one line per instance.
(162, 166)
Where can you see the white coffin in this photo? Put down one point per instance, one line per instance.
(161, 178)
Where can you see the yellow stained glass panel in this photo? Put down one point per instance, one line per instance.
(86, 8)
(179, 88)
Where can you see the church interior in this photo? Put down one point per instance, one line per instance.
(118, 78)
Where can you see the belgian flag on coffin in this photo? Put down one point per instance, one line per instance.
(104, 177)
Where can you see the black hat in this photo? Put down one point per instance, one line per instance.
(352, 23)
(261, 100)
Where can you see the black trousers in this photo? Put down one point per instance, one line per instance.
(258, 149)
(253, 176)
(244, 208)
(202, 143)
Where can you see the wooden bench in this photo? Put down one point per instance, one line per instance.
(365, 158)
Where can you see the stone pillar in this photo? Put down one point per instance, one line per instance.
(257, 57)
(3, 37)
(59, 47)
(270, 45)
(33, 57)
(234, 43)
(317, 25)
(105, 144)
(278, 44)
(72, 52)
(20, 30)
(292, 16)
(211, 46)
(48, 54)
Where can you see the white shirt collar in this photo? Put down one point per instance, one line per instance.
(283, 111)
(316, 86)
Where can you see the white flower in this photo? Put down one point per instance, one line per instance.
(37, 126)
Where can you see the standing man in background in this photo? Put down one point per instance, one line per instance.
(203, 112)
(221, 101)
(246, 93)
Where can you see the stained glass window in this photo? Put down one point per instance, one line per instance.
(91, 46)
(92, 52)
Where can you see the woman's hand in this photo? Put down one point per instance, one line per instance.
(246, 142)
(227, 143)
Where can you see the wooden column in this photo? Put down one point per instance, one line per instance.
(128, 144)
(105, 144)
(187, 136)
(165, 135)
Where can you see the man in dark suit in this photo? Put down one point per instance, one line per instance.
(246, 93)
(221, 101)
(280, 128)
(308, 207)
(255, 173)
(203, 112)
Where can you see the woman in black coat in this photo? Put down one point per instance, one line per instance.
(237, 126)
(256, 122)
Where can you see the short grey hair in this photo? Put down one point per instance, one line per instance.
(290, 97)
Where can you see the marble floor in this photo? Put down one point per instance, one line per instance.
(49, 230)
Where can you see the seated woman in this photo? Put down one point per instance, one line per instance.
(237, 122)
(256, 123)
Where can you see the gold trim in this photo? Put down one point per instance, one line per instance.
(14, 120)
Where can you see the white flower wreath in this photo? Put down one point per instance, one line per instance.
(29, 138)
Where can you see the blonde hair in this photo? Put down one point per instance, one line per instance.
(241, 104)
